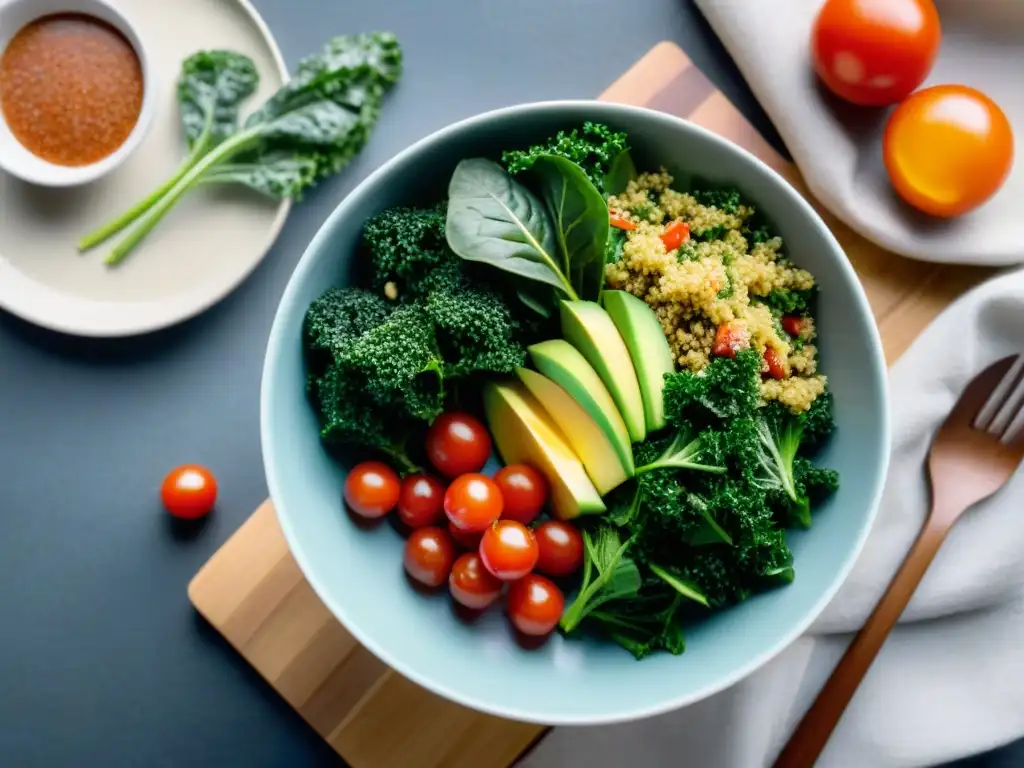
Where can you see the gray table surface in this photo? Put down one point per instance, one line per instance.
(102, 660)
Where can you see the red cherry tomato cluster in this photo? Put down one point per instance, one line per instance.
(475, 532)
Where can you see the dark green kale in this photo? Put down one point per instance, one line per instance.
(727, 200)
(785, 301)
(476, 332)
(405, 246)
(350, 419)
(726, 388)
(336, 319)
(594, 149)
(649, 622)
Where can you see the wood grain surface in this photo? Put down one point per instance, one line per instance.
(252, 591)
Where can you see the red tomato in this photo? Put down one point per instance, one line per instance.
(469, 540)
(371, 489)
(947, 149)
(776, 368)
(793, 325)
(189, 492)
(471, 584)
(535, 605)
(458, 443)
(730, 338)
(472, 502)
(560, 548)
(524, 491)
(509, 550)
(421, 501)
(677, 233)
(429, 553)
(875, 52)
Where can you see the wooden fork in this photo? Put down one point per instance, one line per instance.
(974, 454)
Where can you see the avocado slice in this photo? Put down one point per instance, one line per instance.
(590, 329)
(601, 460)
(648, 349)
(561, 362)
(524, 435)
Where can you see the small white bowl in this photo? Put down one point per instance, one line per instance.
(19, 161)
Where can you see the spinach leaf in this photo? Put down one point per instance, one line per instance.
(621, 171)
(211, 89)
(580, 217)
(495, 220)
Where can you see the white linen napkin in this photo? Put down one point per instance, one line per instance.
(949, 682)
(838, 146)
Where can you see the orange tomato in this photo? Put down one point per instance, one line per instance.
(947, 149)
(875, 52)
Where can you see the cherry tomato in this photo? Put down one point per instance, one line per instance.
(421, 501)
(371, 489)
(730, 338)
(429, 554)
(619, 221)
(189, 492)
(468, 540)
(458, 443)
(947, 149)
(509, 550)
(524, 491)
(793, 325)
(559, 548)
(677, 233)
(472, 502)
(535, 605)
(776, 368)
(875, 52)
(471, 584)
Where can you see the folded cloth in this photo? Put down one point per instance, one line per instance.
(837, 146)
(949, 682)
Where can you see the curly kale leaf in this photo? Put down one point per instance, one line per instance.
(594, 148)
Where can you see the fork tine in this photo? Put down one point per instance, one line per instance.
(997, 412)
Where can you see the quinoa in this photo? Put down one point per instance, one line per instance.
(723, 277)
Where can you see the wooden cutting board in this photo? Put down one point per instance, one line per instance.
(252, 591)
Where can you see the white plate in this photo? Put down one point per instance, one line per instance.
(198, 254)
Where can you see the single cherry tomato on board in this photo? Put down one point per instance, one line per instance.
(189, 492)
(677, 233)
(947, 149)
(472, 502)
(559, 548)
(468, 540)
(509, 550)
(535, 605)
(793, 325)
(471, 584)
(421, 501)
(875, 52)
(730, 338)
(371, 489)
(429, 554)
(524, 491)
(776, 368)
(458, 443)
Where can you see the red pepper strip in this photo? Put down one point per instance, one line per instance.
(792, 325)
(620, 222)
(678, 232)
(730, 339)
(775, 367)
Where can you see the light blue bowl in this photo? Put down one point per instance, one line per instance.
(358, 574)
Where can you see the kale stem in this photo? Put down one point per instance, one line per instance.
(670, 464)
(237, 143)
(111, 228)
